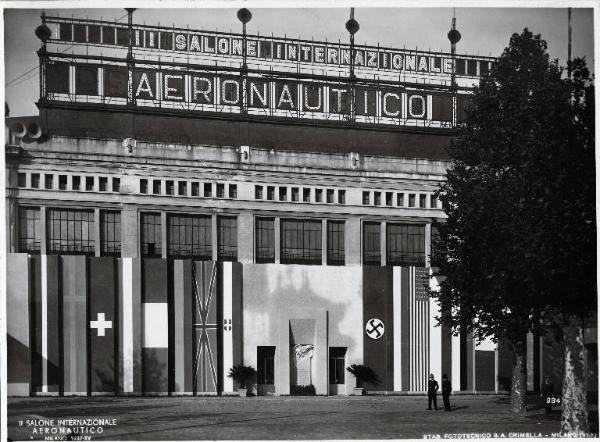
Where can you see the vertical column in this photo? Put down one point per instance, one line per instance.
(227, 287)
(97, 228)
(428, 245)
(435, 332)
(130, 239)
(163, 230)
(352, 241)
(383, 244)
(43, 233)
(277, 228)
(456, 366)
(398, 319)
(245, 238)
(324, 242)
(215, 237)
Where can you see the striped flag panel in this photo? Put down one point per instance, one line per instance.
(102, 323)
(18, 341)
(74, 292)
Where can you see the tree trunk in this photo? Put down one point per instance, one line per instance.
(518, 387)
(574, 394)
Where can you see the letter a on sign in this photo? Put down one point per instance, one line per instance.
(144, 86)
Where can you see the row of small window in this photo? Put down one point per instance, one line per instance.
(180, 188)
(400, 201)
(77, 182)
(308, 194)
(265, 365)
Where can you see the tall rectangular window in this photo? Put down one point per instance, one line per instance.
(295, 194)
(110, 233)
(377, 198)
(411, 200)
(48, 181)
(301, 241)
(102, 183)
(220, 190)
(405, 244)
(182, 188)
(337, 365)
(62, 182)
(270, 193)
(89, 183)
(330, 194)
(372, 243)
(75, 182)
(143, 185)
(366, 198)
(35, 180)
(227, 238)
(195, 188)
(29, 230)
(389, 198)
(341, 196)
(265, 365)
(232, 188)
(423, 201)
(189, 236)
(318, 195)
(170, 187)
(282, 193)
(433, 202)
(265, 240)
(70, 231)
(116, 184)
(258, 192)
(151, 235)
(21, 179)
(306, 195)
(156, 187)
(207, 190)
(335, 243)
(400, 199)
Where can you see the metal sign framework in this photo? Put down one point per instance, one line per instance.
(273, 50)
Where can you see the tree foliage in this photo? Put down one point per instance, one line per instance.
(519, 240)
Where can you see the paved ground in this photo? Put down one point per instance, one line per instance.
(367, 417)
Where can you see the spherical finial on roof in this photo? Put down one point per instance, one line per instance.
(244, 15)
(453, 36)
(352, 26)
(43, 32)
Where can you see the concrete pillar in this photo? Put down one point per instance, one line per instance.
(163, 233)
(215, 250)
(352, 241)
(428, 245)
(43, 231)
(97, 227)
(245, 238)
(130, 237)
(324, 242)
(277, 229)
(383, 240)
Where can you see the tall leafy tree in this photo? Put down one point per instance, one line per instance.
(499, 243)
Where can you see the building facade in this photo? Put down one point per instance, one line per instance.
(167, 221)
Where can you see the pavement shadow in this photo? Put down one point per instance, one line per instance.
(459, 408)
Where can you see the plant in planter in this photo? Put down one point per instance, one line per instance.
(243, 375)
(364, 375)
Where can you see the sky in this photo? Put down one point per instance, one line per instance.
(485, 31)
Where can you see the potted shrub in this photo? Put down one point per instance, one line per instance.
(364, 375)
(243, 375)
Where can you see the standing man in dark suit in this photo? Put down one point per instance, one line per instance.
(432, 388)
(446, 390)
